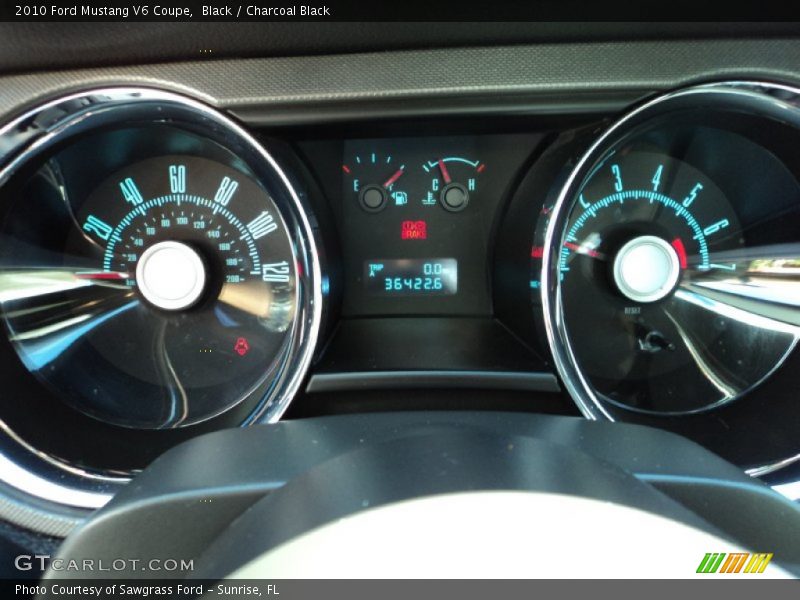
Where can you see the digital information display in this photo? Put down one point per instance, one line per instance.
(416, 221)
(411, 277)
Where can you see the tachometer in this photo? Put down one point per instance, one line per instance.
(644, 227)
(667, 264)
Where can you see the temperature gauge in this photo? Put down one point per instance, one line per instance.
(453, 180)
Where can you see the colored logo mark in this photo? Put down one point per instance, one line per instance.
(735, 562)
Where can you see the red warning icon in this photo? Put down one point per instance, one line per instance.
(241, 347)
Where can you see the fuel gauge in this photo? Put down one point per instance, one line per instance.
(372, 180)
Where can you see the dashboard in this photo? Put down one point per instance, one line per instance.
(195, 246)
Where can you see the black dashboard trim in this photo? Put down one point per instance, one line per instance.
(38, 45)
(382, 380)
(584, 104)
(565, 71)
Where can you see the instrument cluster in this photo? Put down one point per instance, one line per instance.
(165, 272)
(416, 219)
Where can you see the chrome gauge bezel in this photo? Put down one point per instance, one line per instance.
(40, 130)
(753, 93)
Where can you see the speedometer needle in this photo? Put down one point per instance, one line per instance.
(578, 249)
(445, 174)
(98, 275)
(393, 178)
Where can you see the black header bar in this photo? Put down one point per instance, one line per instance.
(397, 10)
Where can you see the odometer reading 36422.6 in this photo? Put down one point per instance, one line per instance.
(407, 277)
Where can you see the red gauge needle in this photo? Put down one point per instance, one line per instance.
(102, 275)
(445, 174)
(583, 250)
(394, 177)
(680, 249)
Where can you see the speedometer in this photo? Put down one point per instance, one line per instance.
(191, 295)
(193, 215)
(156, 267)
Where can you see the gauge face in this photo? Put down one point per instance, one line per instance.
(453, 179)
(372, 178)
(173, 301)
(645, 236)
(378, 180)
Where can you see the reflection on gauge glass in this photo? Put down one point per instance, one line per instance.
(173, 299)
(646, 245)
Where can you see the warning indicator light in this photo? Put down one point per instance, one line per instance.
(413, 230)
(241, 347)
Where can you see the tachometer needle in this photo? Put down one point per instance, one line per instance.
(393, 178)
(680, 249)
(445, 174)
